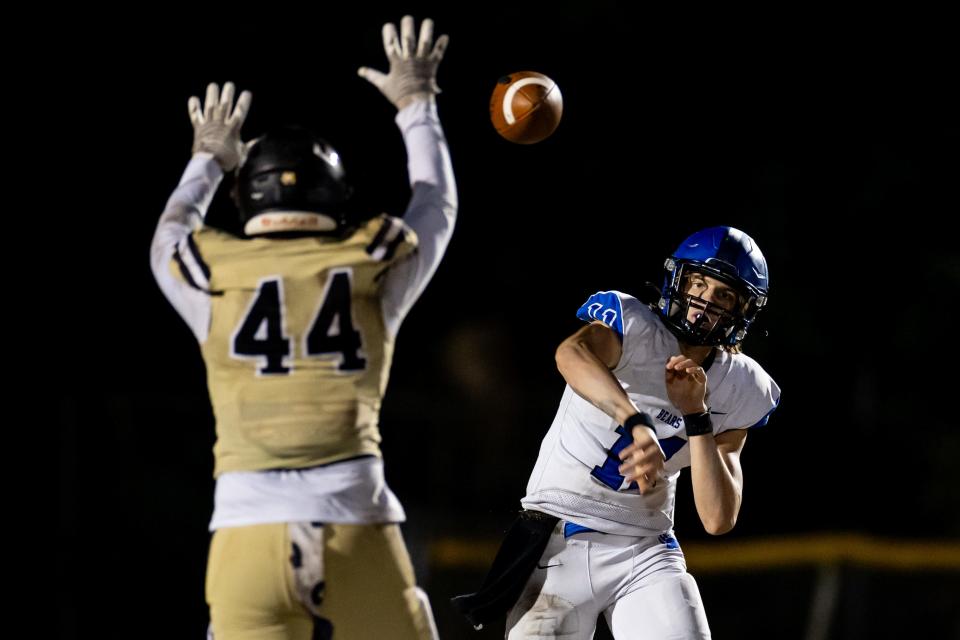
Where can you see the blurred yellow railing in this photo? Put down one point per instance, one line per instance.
(756, 553)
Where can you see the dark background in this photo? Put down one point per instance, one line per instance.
(832, 140)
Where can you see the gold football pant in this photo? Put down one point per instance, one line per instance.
(277, 581)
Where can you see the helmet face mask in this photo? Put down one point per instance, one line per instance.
(729, 257)
(291, 181)
(702, 322)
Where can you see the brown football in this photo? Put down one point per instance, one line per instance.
(526, 107)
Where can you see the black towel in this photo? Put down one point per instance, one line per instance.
(519, 553)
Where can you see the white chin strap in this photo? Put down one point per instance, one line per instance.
(280, 221)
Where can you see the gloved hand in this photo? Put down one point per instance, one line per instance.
(216, 129)
(413, 63)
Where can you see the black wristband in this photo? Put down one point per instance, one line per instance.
(638, 419)
(698, 424)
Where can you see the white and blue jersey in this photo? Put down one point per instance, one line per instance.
(575, 479)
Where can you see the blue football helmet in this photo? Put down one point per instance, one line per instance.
(730, 256)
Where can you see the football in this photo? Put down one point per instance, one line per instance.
(526, 107)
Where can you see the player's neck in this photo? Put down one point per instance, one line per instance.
(696, 353)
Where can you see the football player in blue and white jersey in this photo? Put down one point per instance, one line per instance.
(650, 390)
(296, 322)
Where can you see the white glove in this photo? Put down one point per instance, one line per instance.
(216, 129)
(413, 72)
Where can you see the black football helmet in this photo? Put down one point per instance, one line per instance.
(291, 181)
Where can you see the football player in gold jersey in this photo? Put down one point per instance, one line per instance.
(296, 322)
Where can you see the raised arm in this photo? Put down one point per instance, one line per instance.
(411, 86)
(175, 261)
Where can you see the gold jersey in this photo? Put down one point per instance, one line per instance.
(297, 355)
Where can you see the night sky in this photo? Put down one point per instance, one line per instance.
(831, 141)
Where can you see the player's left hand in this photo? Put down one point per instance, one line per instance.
(216, 128)
(686, 384)
(413, 63)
